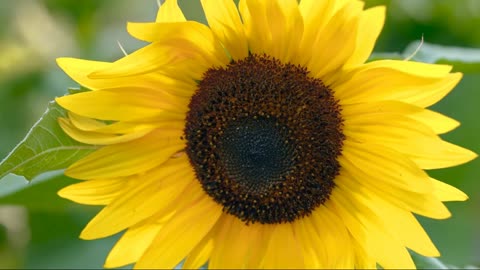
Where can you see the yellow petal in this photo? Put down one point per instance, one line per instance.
(334, 237)
(201, 253)
(406, 136)
(149, 194)
(439, 123)
(119, 105)
(399, 222)
(96, 138)
(314, 250)
(128, 158)
(383, 165)
(368, 231)
(273, 27)
(425, 204)
(91, 125)
(307, 237)
(446, 192)
(79, 69)
(172, 42)
(405, 227)
(159, 57)
(416, 83)
(363, 260)
(231, 244)
(224, 20)
(436, 121)
(256, 25)
(369, 28)
(134, 242)
(85, 123)
(416, 68)
(166, 119)
(316, 15)
(286, 29)
(94, 192)
(283, 250)
(217, 260)
(333, 46)
(169, 11)
(147, 59)
(311, 9)
(257, 239)
(178, 237)
(157, 32)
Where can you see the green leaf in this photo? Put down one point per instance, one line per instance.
(466, 60)
(45, 148)
(428, 262)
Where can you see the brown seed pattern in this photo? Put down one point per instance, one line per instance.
(263, 138)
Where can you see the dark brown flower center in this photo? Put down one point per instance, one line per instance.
(263, 138)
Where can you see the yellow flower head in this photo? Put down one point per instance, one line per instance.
(262, 140)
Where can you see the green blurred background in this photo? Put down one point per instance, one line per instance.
(43, 231)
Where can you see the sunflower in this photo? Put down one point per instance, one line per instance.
(262, 140)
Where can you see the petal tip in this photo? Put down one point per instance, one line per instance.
(85, 235)
(467, 155)
(73, 172)
(90, 232)
(64, 192)
(60, 101)
(63, 62)
(380, 10)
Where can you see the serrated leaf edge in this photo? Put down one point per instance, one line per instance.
(43, 152)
